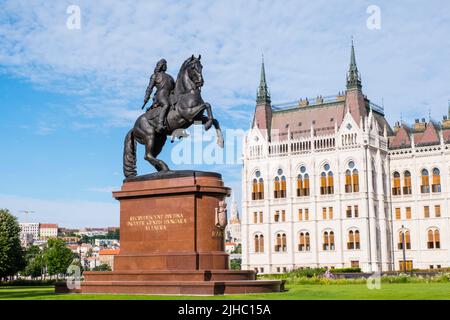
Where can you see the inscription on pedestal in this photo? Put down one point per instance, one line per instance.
(156, 222)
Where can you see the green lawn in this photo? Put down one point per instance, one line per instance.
(294, 292)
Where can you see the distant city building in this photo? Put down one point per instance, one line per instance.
(91, 232)
(29, 228)
(48, 230)
(66, 231)
(230, 246)
(107, 256)
(328, 183)
(70, 240)
(233, 229)
(106, 242)
(40, 243)
(26, 239)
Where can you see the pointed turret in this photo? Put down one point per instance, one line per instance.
(353, 76)
(263, 95)
(355, 102)
(263, 111)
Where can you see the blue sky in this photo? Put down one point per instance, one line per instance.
(68, 97)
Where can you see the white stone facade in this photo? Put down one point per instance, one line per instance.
(364, 145)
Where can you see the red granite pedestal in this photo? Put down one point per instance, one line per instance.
(170, 243)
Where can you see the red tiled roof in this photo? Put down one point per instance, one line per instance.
(446, 134)
(109, 252)
(429, 136)
(299, 120)
(401, 138)
(48, 225)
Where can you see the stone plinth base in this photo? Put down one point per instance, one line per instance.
(171, 240)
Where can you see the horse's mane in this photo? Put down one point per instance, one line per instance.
(182, 68)
(179, 83)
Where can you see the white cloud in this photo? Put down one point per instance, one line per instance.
(306, 47)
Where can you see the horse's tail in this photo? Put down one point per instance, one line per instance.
(129, 155)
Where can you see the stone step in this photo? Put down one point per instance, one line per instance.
(170, 275)
(182, 287)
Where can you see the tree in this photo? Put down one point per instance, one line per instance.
(34, 262)
(235, 264)
(11, 253)
(57, 257)
(237, 249)
(113, 234)
(102, 267)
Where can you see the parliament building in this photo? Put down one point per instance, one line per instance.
(327, 182)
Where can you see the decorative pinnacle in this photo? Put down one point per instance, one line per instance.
(263, 95)
(353, 76)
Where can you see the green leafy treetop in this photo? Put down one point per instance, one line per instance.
(35, 262)
(57, 256)
(11, 253)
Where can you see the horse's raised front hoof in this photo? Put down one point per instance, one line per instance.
(220, 142)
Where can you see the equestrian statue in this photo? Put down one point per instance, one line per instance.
(176, 106)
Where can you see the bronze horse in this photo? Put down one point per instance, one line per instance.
(188, 107)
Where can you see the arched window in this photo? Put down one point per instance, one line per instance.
(254, 189)
(280, 242)
(276, 187)
(306, 185)
(351, 178)
(353, 240)
(279, 185)
(302, 183)
(307, 242)
(328, 240)
(330, 183)
(436, 186)
(299, 185)
(404, 236)
(396, 191)
(348, 181)
(355, 180)
(257, 187)
(260, 189)
(357, 240)
(434, 239)
(304, 242)
(326, 180)
(407, 182)
(323, 183)
(259, 243)
(424, 181)
(283, 187)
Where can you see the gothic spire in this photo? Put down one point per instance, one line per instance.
(353, 76)
(263, 95)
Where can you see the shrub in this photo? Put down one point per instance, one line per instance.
(345, 270)
(27, 282)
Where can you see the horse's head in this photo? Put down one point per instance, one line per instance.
(191, 71)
